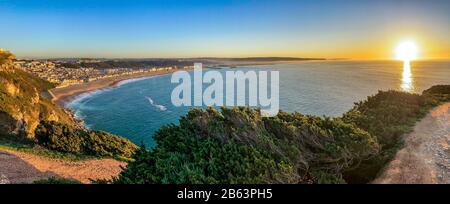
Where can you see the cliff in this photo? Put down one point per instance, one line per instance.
(26, 115)
(21, 105)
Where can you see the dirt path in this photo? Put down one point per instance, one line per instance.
(20, 167)
(426, 155)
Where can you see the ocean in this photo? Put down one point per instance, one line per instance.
(137, 108)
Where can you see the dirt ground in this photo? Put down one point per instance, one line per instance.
(20, 167)
(425, 158)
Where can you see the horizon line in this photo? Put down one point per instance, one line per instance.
(249, 57)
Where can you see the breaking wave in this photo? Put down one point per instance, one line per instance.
(127, 81)
(160, 107)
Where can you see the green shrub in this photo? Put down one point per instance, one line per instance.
(65, 138)
(438, 94)
(20, 98)
(388, 114)
(238, 146)
(438, 89)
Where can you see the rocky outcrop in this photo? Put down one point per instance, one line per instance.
(23, 118)
(11, 89)
(11, 125)
(6, 60)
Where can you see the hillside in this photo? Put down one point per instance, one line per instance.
(425, 156)
(40, 140)
(21, 105)
(239, 146)
(28, 119)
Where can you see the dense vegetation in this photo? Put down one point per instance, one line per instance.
(238, 146)
(64, 138)
(387, 116)
(21, 103)
(6, 57)
(438, 93)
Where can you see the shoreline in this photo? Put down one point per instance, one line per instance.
(62, 96)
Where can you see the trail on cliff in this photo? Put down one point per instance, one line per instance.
(21, 167)
(425, 157)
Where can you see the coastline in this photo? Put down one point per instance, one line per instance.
(62, 96)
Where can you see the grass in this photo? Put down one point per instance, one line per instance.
(14, 144)
(42, 151)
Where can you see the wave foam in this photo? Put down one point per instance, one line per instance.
(78, 100)
(127, 81)
(160, 107)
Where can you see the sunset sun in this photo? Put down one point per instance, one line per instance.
(406, 51)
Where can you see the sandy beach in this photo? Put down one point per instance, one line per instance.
(63, 95)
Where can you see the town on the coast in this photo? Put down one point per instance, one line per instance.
(80, 71)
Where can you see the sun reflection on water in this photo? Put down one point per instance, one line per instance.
(407, 81)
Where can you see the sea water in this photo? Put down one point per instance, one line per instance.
(137, 108)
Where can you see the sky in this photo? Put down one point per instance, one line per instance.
(359, 29)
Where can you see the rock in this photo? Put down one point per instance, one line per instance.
(35, 99)
(22, 108)
(10, 124)
(53, 116)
